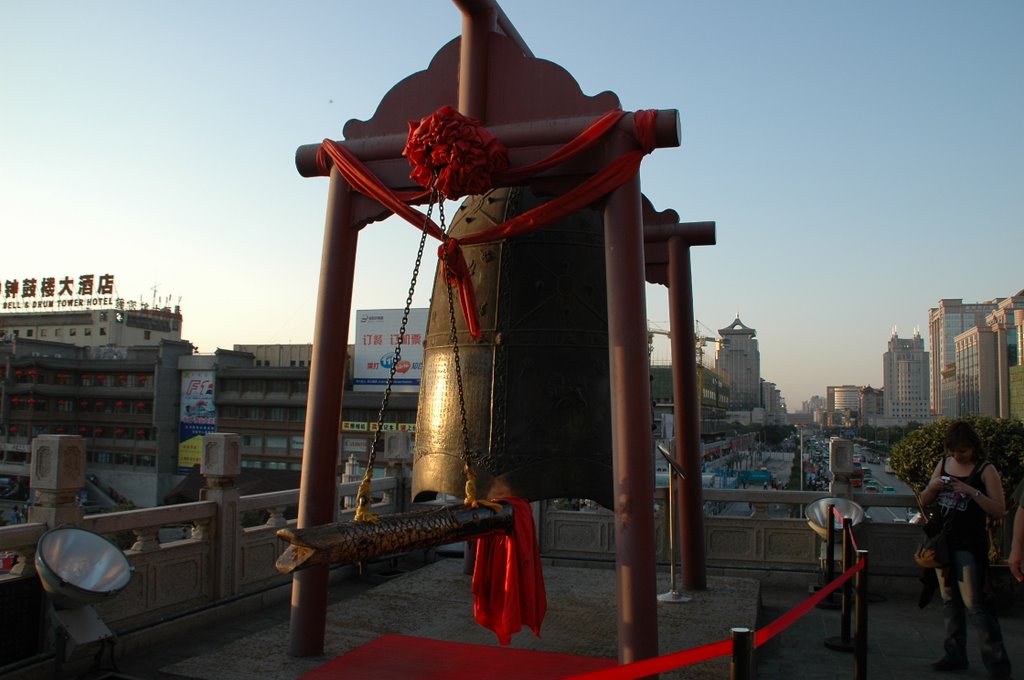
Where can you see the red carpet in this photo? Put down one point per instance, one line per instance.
(400, 657)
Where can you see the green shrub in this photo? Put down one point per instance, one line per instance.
(916, 455)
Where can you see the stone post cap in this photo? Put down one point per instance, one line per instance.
(58, 462)
(222, 455)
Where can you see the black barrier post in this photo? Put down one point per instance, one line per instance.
(860, 656)
(742, 665)
(844, 643)
(848, 584)
(830, 546)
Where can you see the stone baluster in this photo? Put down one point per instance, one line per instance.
(760, 510)
(26, 563)
(220, 464)
(276, 517)
(200, 530)
(146, 539)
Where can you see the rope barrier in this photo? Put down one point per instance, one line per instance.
(661, 664)
(789, 618)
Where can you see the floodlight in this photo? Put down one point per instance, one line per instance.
(79, 568)
(817, 519)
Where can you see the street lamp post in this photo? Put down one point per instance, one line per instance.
(801, 454)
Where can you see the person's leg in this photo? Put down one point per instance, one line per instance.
(955, 644)
(990, 635)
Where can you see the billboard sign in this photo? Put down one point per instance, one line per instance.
(198, 416)
(377, 334)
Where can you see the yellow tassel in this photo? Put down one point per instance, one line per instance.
(363, 500)
(471, 500)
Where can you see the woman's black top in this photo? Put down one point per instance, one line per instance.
(967, 530)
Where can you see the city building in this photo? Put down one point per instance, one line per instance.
(945, 322)
(905, 372)
(1015, 378)
(979, 376)
(267, 407)
(871, 405)
(774, 404)
(123, 400)
(802, 419)
(79, 360)
(143, 409)
(977, 384)
(738, 357)
(118, 326)
(1006, 323)
(84, 310)
(984, 357)
(279, 356)
(842, 406)
(815, 408)
(714, 401)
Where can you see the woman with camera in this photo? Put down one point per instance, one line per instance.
(966, 488)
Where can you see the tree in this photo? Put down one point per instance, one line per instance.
(914, 457)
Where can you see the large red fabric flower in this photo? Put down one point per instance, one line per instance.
(454, 153)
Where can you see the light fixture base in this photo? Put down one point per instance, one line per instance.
(674, 597)
(81, 626)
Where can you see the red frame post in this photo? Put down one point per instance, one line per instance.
(317, 493)
(632, 444)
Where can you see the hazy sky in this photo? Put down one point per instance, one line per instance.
(861, 160)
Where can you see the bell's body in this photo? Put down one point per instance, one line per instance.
(535, 384)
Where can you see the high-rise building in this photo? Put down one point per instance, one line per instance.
(842, 405)
(984, 356)
(905, 374)
(739, 357)
(815, 403)
(1006, 324)
(774, 404)
(1015, 376)
(945, 323)
(977, 386)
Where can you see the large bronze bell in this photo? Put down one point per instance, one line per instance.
(535, 384)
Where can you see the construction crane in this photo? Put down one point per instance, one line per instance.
(702, 340)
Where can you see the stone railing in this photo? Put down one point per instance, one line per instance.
(183, 556)
(773, 536)
(197, 555)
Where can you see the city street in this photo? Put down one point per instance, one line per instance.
(780, 464)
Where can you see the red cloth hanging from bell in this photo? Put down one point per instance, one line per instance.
(508, 583)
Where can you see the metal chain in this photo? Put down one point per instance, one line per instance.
(379, 433)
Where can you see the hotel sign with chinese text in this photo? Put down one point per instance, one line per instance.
(58, 293)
